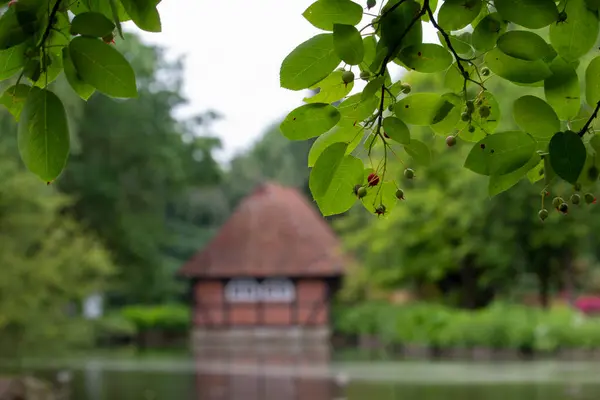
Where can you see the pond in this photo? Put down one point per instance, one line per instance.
(143, 378)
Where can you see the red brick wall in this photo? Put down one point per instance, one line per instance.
(311, 307)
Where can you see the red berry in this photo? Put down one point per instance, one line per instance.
(373, 179)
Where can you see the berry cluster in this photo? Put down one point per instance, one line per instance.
(562, 206)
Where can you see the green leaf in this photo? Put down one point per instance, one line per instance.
(14, 99)
(461, 43)
(419, 108)
(532, 14)
(567, 155)
(454, 79)
(59, 37)
(43, 134)
(331, 89)
(593, 4)
(592, 82)
(12, 61)
(577, 35)
(487, 32)
(351, 135)
(536, 117)
(348, 44)
(353, 110)
(524, 45)
(500, 183)
(91, 24)
(500, 153)
(562, 89)
(103, 67)
(419, 152)
(16, 26)
(396, 130)
(144, 14)
(516, 70)
(456, 14)
(372, 88)
(370, 49)
(426, 57)
(323, 14)
(79, 86)
(309, 63)
(394, 26)
(536, 173)
(309, 120)
(333, 178)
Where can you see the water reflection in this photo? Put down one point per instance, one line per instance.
(303, 374)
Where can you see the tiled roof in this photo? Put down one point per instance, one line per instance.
(274, 231)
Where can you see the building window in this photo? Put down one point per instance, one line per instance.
(252, 291)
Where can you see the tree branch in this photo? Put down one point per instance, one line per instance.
(589, 121)
(50, 19)
(459, 59)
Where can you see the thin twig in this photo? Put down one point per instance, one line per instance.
(50, 19)
(590, 120)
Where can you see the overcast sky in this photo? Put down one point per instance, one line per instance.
(233, 51)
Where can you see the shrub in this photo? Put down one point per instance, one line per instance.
(169, 318)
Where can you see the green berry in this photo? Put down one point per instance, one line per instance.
(557, 201)
(347, 77)
(479, 102)
(563, 208)
(470, 106)
(361, 192)
(589, 198)
(365, 75)
(575, 198)
(543, 214)
(380, 210)
(409, 173)
(391, 108)
(485, 71)
(405, 88)
(451, 141)
(484, 111)
(400, 194)
(465, 117)
(371, 4)
(471, 129)
(562, 16)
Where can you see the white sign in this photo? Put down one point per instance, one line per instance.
(251, 291)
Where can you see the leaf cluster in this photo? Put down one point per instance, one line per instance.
(544, 45)
(41, 39)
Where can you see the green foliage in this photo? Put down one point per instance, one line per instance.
(167, 318)
(485, 46)
(42, 38)
(501, 326)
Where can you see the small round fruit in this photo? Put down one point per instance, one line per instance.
(409, 173)
(484, 111)
(465, 117)
(470, 106)
(347, 77)
(479, 102)
(543, 214)
(400, 194)
(371, 3)
(362, 192)
(575, 198)
(380, 210)
(356, 188)
(405, 88)
(562, 16)
(391, 108)
(365, 75)
(557, 201)
(563, 208)
(485, 71)
(110, 38)
(593, 173)
(451, 141)
(471, 129)
(589, 198)
(373, 179)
